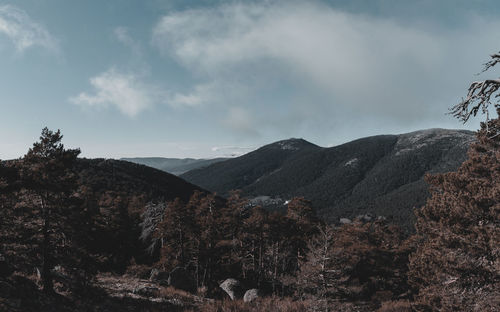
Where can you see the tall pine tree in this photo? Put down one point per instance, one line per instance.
(47, 172)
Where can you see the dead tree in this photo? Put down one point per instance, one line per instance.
(480, 96)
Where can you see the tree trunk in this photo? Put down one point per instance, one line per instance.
(48, 285)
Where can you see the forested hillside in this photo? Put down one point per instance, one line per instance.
(80, 234)
(380, 175)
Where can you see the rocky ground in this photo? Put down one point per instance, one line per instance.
(111, 292)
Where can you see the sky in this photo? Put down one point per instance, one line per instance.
(185, 78)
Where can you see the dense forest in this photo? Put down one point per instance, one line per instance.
(99, 235)
(381, 175)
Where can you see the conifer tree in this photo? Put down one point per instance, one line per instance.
(175, 233)
(207, 216)
(457, 264)
(47, 172)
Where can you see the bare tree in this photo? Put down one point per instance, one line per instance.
(480, 95)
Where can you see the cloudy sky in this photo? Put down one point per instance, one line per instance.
(185, 78)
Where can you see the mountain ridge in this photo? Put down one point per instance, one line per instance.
(175, 166)
(380, 175)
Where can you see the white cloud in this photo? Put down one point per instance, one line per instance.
(123, 91)
(352, 64)
(200, 95)
(230, 151)
(180, 99)
(122, 35)
(131, 95)
(23, 31)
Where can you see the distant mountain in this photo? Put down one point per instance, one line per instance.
(175, 166)
(116, 194)
(243, 171)
(380, 175)
(108, 175)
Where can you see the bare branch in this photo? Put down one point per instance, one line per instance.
(479, 95)
(495, 59)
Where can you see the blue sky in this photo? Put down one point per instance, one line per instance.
(125, 78)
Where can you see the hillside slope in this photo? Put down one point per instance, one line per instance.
(381, 175)
(243, 171)
(175, 166)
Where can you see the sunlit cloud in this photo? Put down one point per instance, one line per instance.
(122, 91)
(350, 63)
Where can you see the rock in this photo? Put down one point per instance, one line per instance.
(233, 288)
(251, 295)
(160, 277)
(181, 279)
(365, 218)
(146, 291)
(345, 221)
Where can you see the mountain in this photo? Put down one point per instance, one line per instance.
(132, 179)
(115, 193)
(380, 175)
(243, 171)
(175, 166)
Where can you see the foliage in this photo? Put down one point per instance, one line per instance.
(378, 175)
(47, 174)
(457, 264)
(356, 262)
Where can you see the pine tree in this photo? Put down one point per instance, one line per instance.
(47, 172)
(207, 216)
(176, 234)
(457, 265)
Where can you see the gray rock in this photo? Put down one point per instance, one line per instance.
(146, 291)
(345, 221)
(365, 218)
(181, 279)
(233, 288)
(251, 295)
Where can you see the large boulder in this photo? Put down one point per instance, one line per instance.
(181, 279)
(233, 288)
(251, 295)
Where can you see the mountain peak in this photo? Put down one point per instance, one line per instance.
(292, 144)
(418, 139)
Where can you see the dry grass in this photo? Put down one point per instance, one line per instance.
(171, 292)
(395, 306)
(270, 304)
(139, 271)
(275, 304)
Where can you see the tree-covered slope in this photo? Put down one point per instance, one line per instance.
(382, 175)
